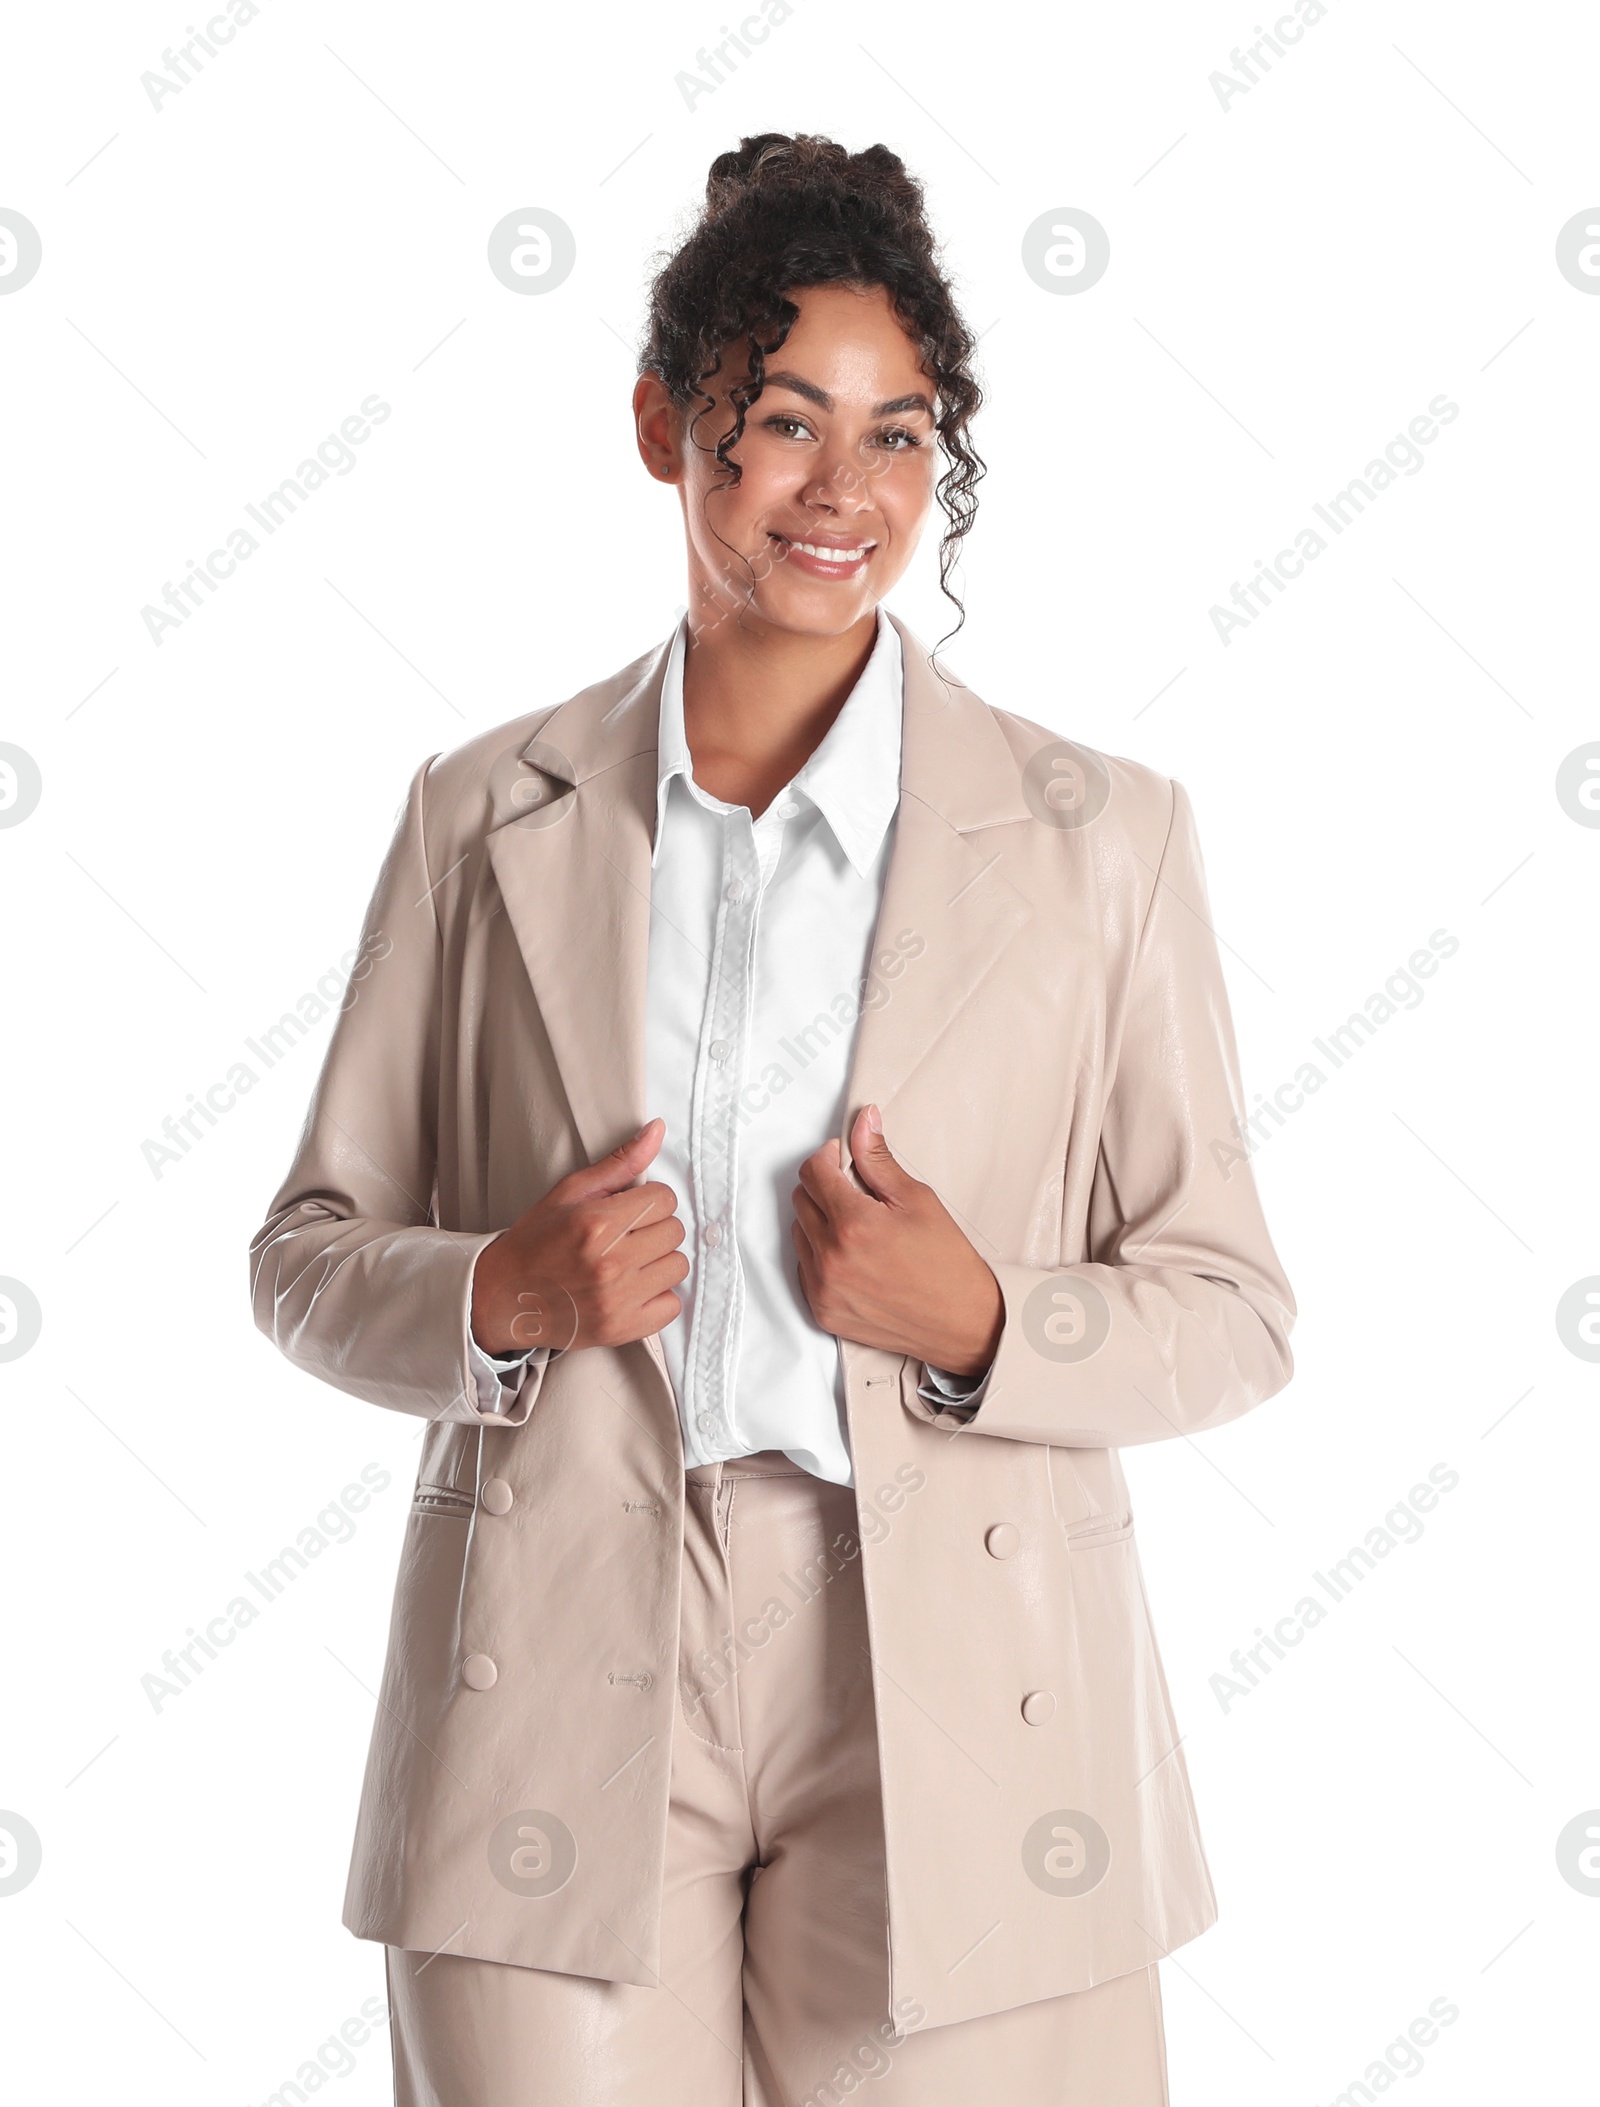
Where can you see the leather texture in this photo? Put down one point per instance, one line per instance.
(774, 1959)
(1057, 1060)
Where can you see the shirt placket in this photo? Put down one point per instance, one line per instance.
(749, 856)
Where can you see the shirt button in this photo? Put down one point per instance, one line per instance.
(704, 1421)
(713, 1234)
(736, 890)
(786, 811)
(720, 1049)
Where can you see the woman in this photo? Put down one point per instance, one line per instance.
(783, 1142)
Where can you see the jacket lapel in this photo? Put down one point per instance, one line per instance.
(571, 855)
(946, 881)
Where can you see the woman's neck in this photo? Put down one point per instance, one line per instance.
(759, 701)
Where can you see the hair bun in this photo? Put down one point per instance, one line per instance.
(770, 159)
(735, 169)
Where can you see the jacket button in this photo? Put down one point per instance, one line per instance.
(1003, 1539)
(478, 1672)
(496, 1495)
(1037, 1707)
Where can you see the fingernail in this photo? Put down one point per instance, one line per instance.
(874, 1119)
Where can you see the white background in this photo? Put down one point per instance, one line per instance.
(1292, 280)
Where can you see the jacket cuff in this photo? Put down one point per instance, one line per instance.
(501, 1378)
(500, 1389)
(957, 1394)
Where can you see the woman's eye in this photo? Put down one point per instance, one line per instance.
(907, 439)
(787, 425)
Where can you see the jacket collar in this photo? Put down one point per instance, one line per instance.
(953, 756)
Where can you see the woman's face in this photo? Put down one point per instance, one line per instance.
(838, 469)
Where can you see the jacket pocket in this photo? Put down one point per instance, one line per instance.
(1103, 1531)
(1089, 1496)
(441, 1499)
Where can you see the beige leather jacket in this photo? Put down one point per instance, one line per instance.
(1055, 1058)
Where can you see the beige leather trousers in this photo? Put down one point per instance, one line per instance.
(774, 1981)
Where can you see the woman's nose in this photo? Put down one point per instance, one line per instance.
(843, 485)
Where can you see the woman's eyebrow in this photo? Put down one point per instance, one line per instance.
(797, 386)
(824, 401)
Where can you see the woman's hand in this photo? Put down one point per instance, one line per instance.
(890, 1267)
(593, 1263)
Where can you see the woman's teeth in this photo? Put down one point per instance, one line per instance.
(827, 555)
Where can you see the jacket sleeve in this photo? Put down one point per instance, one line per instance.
(351, 1277)
(1179, 1318)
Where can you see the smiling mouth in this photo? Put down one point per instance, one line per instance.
(823, 555)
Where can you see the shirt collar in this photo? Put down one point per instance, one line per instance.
(853, 778)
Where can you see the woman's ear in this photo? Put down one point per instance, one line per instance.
(657, 428)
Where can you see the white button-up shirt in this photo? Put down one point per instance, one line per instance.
(760, 936)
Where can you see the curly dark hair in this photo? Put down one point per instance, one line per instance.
(783, 213)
